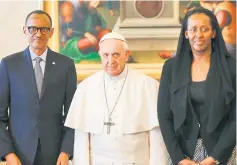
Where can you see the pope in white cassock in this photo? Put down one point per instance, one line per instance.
(114, 113)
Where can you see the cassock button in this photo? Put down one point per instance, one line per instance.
(199, 125)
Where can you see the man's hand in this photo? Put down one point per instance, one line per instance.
(69, 32)
(111, 12)
(63, 159)
(91, 38)
(12, 159)
(208, 161)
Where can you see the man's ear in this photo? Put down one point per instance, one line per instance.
(127, 54)
(24, 29)
(51, 32)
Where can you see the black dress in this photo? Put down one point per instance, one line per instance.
(197, 95)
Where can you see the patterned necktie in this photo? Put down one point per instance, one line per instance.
(38, 74)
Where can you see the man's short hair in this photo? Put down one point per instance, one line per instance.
(39, 12)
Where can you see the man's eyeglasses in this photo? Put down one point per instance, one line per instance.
(34, 30)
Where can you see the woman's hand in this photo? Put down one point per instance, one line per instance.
(208, 161)
(187, 162)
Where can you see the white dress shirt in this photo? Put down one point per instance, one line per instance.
(42, 62)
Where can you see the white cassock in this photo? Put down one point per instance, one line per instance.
(135, 137)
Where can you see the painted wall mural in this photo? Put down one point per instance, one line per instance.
(151, 27)
(82, 24)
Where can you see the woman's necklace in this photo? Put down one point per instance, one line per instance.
(198, 65)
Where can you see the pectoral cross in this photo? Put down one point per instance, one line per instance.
(109, 124)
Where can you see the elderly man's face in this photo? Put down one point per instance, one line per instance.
(113, 56)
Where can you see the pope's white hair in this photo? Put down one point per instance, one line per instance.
(125, 45)
(116, 36)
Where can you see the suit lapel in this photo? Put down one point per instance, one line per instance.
(49, 67)
(28, 69)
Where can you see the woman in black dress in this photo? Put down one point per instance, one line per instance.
(197, 95)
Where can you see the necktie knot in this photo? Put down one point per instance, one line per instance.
(38, 60)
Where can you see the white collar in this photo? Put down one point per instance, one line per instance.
(121, 76)
(43, 55)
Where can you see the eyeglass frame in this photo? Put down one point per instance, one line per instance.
(47, 29)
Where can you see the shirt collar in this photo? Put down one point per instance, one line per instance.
(43, 56)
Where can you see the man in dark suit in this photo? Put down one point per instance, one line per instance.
(37, 86)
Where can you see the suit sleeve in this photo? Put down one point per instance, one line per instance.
(227, 140)
(165, 117)
(5, 139)
(68, 133)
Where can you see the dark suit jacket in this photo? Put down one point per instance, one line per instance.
(179, 126)
(32, 117)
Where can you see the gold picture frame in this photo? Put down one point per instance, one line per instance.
(152, 69)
